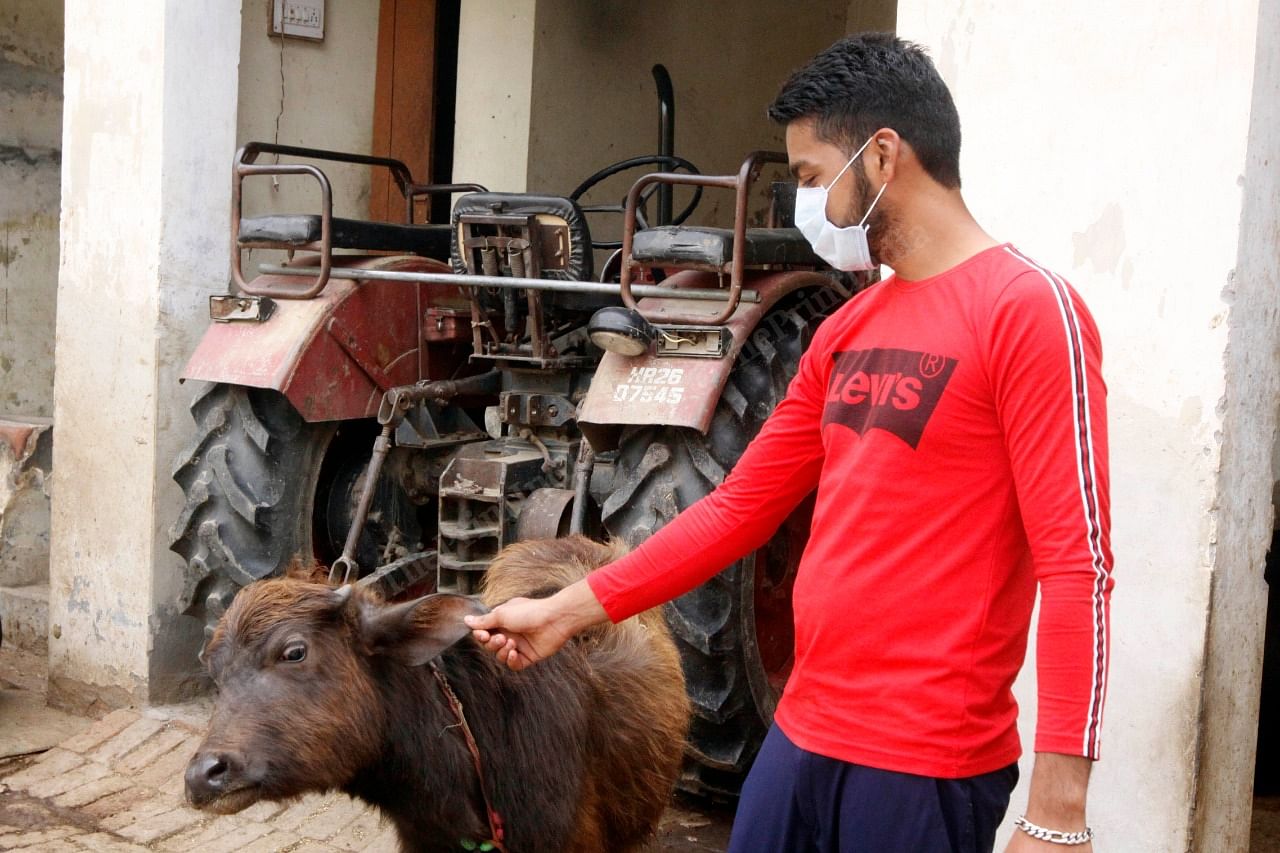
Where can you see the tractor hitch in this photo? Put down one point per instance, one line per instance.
(396, 404)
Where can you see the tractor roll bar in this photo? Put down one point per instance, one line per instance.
(243, 169)
(741, 184)
(666, 133)
(412, 191)
(249, 154)
(245, 165)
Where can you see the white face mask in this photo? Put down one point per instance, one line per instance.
(844, 248)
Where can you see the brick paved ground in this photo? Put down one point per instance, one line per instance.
(116, 787)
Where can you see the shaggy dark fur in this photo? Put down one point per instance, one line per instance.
(580, 752)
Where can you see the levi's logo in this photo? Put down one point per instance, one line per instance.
(895, 390)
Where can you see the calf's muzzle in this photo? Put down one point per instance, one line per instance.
(211, 775)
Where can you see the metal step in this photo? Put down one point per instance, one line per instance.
(467, 494)
(397, 576)
(463, 565)
(453, 530)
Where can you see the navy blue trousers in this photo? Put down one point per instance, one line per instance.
(794, 801)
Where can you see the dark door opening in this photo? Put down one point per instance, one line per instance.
(1266, 778)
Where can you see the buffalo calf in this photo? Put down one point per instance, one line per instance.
(322, 689)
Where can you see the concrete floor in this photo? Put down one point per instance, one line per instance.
(70, 784)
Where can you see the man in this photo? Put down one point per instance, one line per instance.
(952, 419)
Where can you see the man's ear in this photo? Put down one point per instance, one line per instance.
(885, 151)
(416, 632)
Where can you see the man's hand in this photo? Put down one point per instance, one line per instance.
(523, 631)
(1059, 788)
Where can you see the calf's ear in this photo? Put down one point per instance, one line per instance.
(416, 632)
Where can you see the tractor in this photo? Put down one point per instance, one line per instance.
(399, 401)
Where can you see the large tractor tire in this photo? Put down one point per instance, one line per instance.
(734, 632)
(264, 486)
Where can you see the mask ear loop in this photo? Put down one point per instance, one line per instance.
(874, 201)
(855, 156)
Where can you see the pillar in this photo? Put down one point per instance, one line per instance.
(148, 132)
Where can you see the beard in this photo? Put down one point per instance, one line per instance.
(885, 237)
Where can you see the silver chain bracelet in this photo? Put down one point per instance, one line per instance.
(1053, 836)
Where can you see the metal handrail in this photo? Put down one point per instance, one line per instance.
(741, 184)
(555, 285)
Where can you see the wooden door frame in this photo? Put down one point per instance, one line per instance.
(403, 101)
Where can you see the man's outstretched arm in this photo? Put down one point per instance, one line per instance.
(778, 469)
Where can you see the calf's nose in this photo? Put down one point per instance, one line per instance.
(210, 774)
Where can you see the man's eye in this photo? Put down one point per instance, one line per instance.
(294, 653)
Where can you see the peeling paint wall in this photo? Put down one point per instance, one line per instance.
(1123, 166)
(156, 103)
(30, 155)
(1243, 512)
(26, 456)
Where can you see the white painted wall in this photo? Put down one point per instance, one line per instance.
(30, 154)
(1110, 141)
(148, 125)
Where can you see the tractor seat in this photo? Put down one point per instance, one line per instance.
(712, 248)
(297, 230)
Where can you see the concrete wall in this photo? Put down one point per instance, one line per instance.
(594, 100)
(1135, 170)
(157, 102)
(1244, 510)
(148, 125)
(871, 16)
(327, 103)
(30, 153)
(549, 92)
(495, 71)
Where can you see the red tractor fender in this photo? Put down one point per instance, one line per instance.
(334, 355)
(684, 390)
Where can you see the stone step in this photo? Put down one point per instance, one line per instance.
(24, 615)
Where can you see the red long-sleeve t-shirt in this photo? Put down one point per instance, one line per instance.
(955, 431)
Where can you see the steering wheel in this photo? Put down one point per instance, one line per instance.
(670, 163)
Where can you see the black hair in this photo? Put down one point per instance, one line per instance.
(865, 82)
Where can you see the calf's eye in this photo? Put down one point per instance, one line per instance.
(294, 653)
